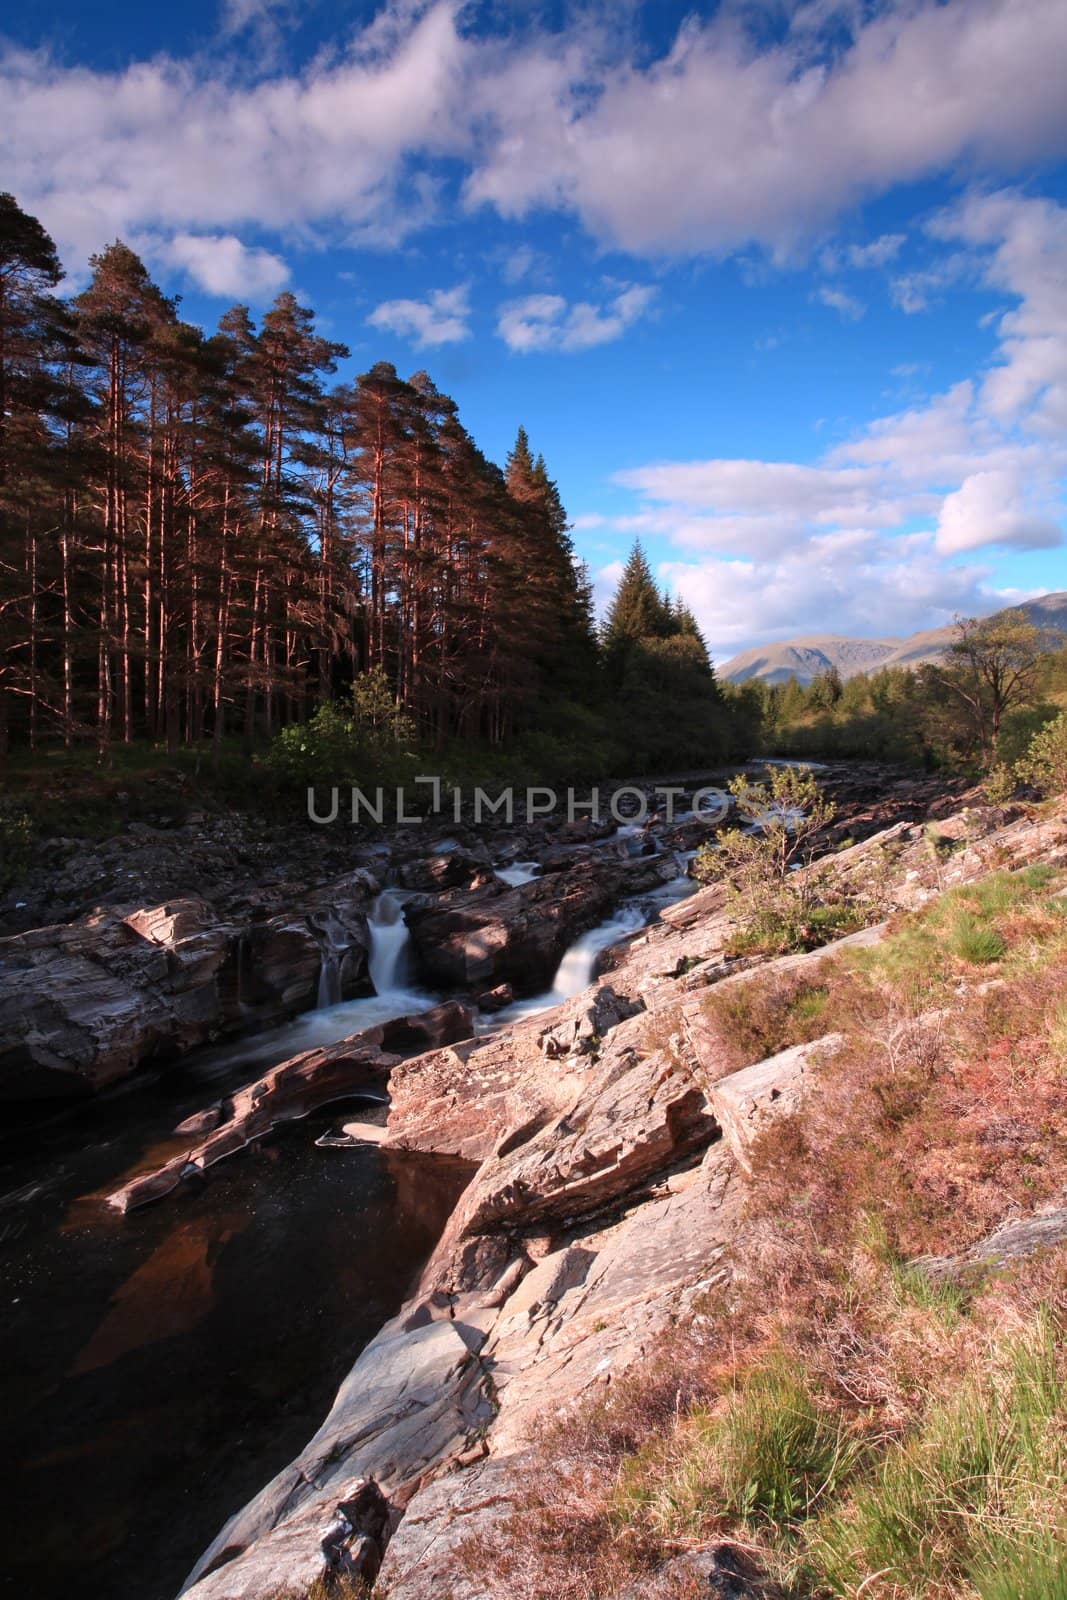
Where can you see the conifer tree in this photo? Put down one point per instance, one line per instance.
(196, 535)
(29, 271)
(637, 611)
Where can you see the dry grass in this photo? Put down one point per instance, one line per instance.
(858, 1427)
(766, 1013)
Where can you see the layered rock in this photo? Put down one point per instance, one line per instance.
(85, 1004)
(496, 933)
(613, 1141)
(293, 1090)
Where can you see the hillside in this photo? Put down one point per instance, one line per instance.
(804, 659)
(757, 1289)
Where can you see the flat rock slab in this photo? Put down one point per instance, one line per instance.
(412, 1398)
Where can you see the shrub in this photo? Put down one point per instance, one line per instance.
(1045, 762)
(16, 839)
(776, 907)
(1001, 784)
(368, 742)
(762, 1015)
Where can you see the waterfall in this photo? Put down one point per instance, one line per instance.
(333, 942)
(575, 971)
(389, 939)
(518, 872)
(329, 979)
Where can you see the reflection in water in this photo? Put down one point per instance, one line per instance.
(165, 1296)
(157, 1369)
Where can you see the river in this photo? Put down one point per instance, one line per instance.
(157, 1368)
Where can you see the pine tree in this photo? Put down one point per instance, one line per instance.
(29, 271)
(637, 611)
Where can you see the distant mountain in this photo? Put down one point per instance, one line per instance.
(804, 659)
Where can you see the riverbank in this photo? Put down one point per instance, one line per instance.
(471, 916)
(616, 1136)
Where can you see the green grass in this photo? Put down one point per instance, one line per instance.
(1036, 1573)
(975, 942)
(973, 1493)
(976, 924)
(766, 1456)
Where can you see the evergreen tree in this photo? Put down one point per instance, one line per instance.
(637, 611)
(29, 271)
(667, 706)
(197, 535)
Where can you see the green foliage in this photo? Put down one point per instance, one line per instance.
(16, 839)
(775, 907)
(998, 687)
(1045, 762)
(775, 1452)
(765, 1014)
(993, 667)
(637, 612)
(1001, 784)
(368, 741)
(665, 709)
(973, 1493)
(975, 942)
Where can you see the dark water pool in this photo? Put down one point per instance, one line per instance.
(157, 1369)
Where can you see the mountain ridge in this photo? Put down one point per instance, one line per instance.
(803, 658)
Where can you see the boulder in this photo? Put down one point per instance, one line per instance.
(499, 934)
(445, 870)
(414, 1397)
(84, 1004)
(745, 1102)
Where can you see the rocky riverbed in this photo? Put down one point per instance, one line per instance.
(612, 1148)
(610, 1144)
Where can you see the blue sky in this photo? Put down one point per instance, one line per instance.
(780, 289)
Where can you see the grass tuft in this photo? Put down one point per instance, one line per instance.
(973, 941)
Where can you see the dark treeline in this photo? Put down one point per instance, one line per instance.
(1000, 682)
(202, 536)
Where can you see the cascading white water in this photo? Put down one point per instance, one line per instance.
(329, 991)
(333, 944)
(519, 872)
(334, 1018)
(575, 971)
(389, 940)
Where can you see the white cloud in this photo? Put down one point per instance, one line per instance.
(549, 322)
(721, 142)
(847, 306)
(223, 266)
(814, 591)
(238, 15)
(991, 507)
(1022, 243)
(862, 257)
(168, 147)
(878, 252)
(872, 535)
(442, 318)
(525, 263)
(915, 291)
